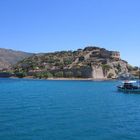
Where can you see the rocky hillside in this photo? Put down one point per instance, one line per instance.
(9, 57)
(90, 62)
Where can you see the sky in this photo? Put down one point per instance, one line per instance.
(56, 25)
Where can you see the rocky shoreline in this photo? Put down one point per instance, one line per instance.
(61, 79)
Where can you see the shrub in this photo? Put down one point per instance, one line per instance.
(58, 74)
(105, 68)
(110, 75)
(43, 75)
(69, 74)
(49, 75)
(79, 74)
(20, 74)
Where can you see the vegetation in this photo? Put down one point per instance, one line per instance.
(42, 75)
(110, 75)
(69, 74)
(119, 68)
(20, 74)
(105, 68)
(58, 74)
(79, 74)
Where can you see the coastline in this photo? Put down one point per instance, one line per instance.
(74, 79)
(61, 79)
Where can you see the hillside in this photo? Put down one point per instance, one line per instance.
(90, 62)
(9, 57)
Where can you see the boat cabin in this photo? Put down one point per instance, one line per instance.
(129, 86)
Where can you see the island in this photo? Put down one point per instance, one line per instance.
(92, 62)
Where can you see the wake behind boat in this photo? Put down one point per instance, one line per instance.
(129, 86)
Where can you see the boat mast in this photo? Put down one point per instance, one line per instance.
(139, 73)
(139, 76)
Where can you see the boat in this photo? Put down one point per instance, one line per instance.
(129, 86)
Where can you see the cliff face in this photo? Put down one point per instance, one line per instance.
(90, 62)
(97, 72)
(9, 57)
(109, 69)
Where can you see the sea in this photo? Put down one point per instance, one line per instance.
(67, 110)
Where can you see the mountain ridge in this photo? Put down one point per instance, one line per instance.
(8, 57)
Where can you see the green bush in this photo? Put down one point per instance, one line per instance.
(43, 75)
(69, 74)
(110, 75)
(106, 68)
(79, 74)
(58, 74)
(67, 61)
(49, 75)
(20, 74)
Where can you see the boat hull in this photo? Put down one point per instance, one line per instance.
(129, 90)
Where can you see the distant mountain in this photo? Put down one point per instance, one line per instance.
(9, 57)
(90, 62)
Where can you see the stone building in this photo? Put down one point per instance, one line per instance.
(115, 55)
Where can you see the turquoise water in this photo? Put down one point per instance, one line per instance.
(67, 110)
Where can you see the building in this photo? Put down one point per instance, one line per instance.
(115, 55)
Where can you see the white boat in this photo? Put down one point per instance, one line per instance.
(129, 86)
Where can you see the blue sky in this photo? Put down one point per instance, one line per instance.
(53, 25)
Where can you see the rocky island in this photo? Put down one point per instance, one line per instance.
(90, 62)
